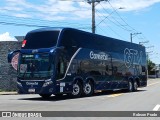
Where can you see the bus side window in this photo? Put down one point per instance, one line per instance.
(62, 68)
(108, 67)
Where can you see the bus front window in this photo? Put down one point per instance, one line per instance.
(35, 66)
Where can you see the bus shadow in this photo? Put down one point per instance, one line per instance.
(67, 97)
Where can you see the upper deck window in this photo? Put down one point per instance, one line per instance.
(42, 39)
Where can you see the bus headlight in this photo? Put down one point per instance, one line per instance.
(19, 84)
(47, 83)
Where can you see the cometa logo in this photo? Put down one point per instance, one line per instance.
(99, 56)
(31, 83)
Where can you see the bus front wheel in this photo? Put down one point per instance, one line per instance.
(45, 96)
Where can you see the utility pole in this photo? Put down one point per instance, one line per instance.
(93, 17)
(92, 2)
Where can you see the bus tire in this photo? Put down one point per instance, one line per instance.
(58, 95)
(135, 85)
(130, 86)
(45, 96)
(88, 89)
(77, 89)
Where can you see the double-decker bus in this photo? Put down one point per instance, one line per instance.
(69, 61)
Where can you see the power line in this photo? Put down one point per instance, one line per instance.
(121, 17)
(111, 28)
(31, 11)
(36, 20)
(129, 28)
(16, 21)
(120, 25)
(30, 25)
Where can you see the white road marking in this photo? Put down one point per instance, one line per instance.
(153, 84)
(114, 95)
(156, 107)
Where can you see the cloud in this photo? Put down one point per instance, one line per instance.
(22, 15)
(132, 5)
(62, 10)
(6, 37)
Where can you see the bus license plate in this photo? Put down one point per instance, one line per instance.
(31, 90)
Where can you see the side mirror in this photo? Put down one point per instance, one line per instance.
(13, 58)
(11, 55)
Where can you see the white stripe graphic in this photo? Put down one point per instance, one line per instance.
(156, 108)
(71, 62)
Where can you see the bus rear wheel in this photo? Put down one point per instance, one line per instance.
(58, 95)
(130, 86)
(88, 89)
(77, 89)
(135, 86)
(45, 96)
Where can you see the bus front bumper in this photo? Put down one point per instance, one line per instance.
(43, 87)
(36, 87)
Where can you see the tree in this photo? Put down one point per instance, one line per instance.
(151, 67)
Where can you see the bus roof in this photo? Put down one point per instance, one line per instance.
(88, 40)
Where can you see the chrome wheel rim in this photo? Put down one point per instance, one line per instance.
(87, 88)
(76, 89)
(130, 86)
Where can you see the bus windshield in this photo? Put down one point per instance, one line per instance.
(43, 39)
(35, 67)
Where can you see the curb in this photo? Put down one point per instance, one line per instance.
(8, 93)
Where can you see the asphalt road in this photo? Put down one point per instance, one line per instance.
(145, 99)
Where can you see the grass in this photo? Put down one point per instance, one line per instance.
(1, 90)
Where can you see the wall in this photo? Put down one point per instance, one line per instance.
(7, 73)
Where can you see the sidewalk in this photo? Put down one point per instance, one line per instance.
(8, 93)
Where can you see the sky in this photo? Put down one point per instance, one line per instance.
(114, 18)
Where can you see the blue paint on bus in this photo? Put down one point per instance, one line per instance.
(70, 61)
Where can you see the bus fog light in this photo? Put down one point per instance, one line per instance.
(47, 83)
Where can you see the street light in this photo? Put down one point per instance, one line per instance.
(141, 43)
(133, 34)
